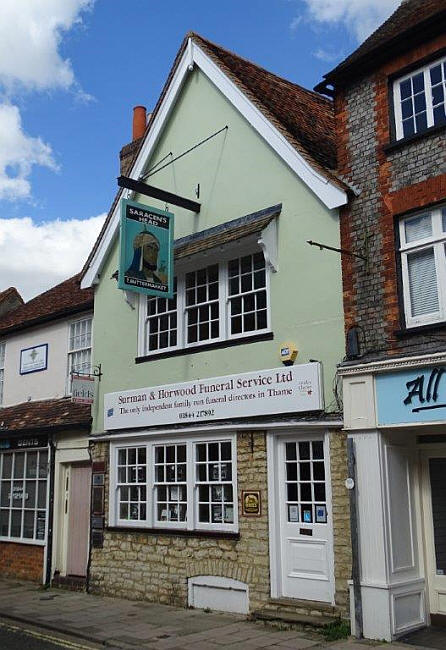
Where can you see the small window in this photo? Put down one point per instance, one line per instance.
(420, 100)
(215, 303)
(2, 369)
(131, 484)
(423, 264)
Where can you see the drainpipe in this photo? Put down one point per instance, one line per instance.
(356, 566)
(90, 532)
(49, 539)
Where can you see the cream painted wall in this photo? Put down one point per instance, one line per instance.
(238, 174)
(45, 384)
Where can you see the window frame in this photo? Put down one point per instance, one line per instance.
(70, 352)
(191, 524)
(2, 370)
(398, 119)
(26, 540)
(223, 300)
(436, 241)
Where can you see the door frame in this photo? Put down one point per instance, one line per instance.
(273, 438)
(427, 452)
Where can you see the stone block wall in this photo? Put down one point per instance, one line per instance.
(392, 181)
(155, 567)
(23, 561)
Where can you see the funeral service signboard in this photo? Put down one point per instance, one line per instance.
(146, 250)
(265, 392)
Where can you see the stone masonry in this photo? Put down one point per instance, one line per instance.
(155, 567)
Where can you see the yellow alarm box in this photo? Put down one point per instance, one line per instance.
(288, 353)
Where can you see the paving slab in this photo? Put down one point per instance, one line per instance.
(129, 625)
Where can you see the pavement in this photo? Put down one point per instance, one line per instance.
(122, 624)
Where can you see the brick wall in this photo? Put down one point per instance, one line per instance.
(391, 182)
(156, 568)
(23, 561)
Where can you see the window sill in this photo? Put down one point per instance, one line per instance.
(243, 340)
(400, 144)
(175, 532)
(22, 540)
(420, 329)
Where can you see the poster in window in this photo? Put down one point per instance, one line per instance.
(321, 514)
(146, 250)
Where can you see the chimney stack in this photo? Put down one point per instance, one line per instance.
(139, 122)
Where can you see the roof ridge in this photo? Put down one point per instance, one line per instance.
(207, 41)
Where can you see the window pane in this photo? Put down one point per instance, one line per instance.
(423, 282)
(418, 228)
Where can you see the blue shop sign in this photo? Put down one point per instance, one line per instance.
(416, 395)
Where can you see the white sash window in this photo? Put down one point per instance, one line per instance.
(219, 302)
(423, 265)
(420, 100)
(2, 369)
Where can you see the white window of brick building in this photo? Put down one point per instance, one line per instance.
(420, 99)
(423, 266)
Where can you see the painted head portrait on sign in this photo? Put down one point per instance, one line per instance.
(144, 265)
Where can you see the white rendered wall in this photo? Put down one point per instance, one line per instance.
(45, 384)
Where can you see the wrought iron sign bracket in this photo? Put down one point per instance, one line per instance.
(97, 372)
(156, 193)
(363, 255)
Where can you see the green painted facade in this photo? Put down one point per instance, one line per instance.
(238, 174)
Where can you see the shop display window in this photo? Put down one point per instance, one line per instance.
(176, 484)
(23, 495)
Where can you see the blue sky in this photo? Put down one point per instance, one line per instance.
(70, 75)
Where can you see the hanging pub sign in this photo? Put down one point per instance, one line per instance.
(146, 250)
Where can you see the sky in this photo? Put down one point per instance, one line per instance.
(71, 72)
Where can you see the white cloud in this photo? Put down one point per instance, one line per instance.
(35, 257)
(327, 56)
(361, 17)
(30, 35)
(295, 23)
(18, 153)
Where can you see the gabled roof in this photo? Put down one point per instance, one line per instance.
(412, 22)
(297, 123)
(62, 300)
(45, 415)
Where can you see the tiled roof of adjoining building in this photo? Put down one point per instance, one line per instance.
(62, 300)
(45, 415)
(408, 24)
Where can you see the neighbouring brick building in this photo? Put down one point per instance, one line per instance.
(391, 123)
(44, 459)
(218, 477)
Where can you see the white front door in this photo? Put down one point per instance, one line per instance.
(434, 511)
(303, 503)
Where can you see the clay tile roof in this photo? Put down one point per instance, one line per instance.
(226, 232)
(412, 16)
(51, 414)
(302, 114)
(63, 299)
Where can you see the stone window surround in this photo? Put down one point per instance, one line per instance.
(438, 242)
(191, 525)
(198, 262)
(396, 104)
